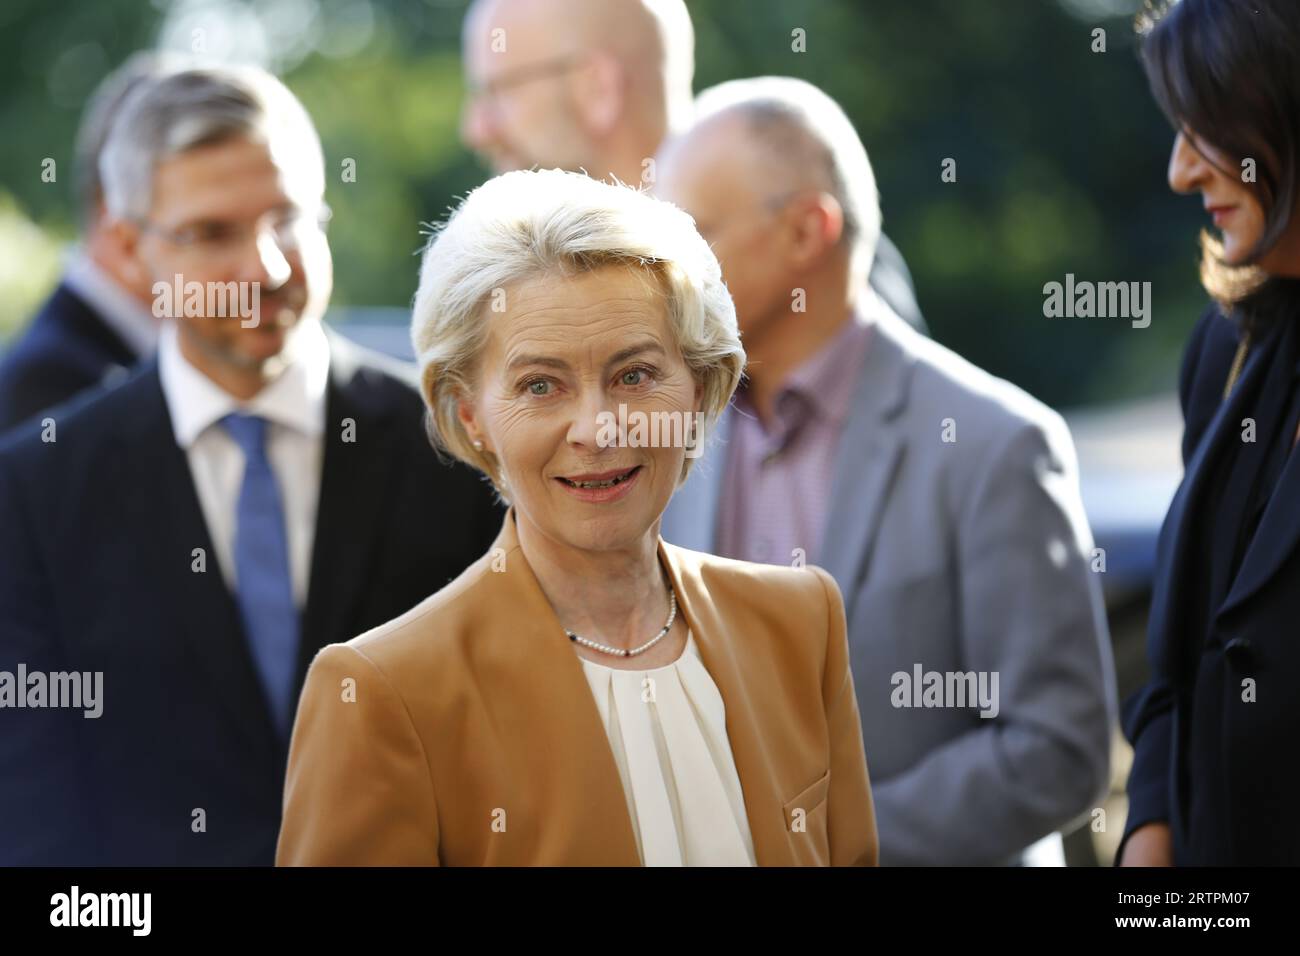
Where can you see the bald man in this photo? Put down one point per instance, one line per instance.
(944, 502)
(576, 84)
(597, 85)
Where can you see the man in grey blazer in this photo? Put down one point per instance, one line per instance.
(944, 501)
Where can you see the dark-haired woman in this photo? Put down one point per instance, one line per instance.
(1216, 774)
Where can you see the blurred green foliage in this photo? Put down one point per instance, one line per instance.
(1060, 152)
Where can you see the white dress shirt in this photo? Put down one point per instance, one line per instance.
(294, 406)
(669, 738)
(133, 323)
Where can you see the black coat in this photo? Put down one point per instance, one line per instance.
(96, 557)
(66, 349)
(1217, 765)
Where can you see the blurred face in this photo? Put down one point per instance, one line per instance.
(1196, 166)
(227, 213)
(517, 113)
(565, 350)
(711, 174)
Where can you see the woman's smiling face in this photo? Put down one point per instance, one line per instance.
(565, 350)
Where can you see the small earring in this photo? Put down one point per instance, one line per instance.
(478, 444)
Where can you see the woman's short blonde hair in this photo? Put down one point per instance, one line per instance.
(536, 223)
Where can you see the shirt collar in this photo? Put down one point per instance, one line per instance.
(120, 310)
(294, 399)
(829, 378)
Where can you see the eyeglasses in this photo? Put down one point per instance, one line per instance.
(215, 238)
(523, 74)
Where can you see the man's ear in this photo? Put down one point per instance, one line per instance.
(117, 242)
(599, 91)
(816, 224)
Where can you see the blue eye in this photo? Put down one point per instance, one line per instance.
(530, 386)
(638, 370)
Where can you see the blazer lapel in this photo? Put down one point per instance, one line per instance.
(1275, 539)
(541, 675)
(354, 477)
(870, 449)
(746, 716)
(1173, 547)
(203, 609)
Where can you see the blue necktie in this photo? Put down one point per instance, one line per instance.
(264, 589)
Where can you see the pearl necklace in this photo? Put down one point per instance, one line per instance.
(619, 652)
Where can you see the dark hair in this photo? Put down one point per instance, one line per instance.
(1229, 72)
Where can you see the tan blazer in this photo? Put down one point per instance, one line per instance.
(464, 732)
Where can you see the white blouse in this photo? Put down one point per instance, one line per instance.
(667, 727)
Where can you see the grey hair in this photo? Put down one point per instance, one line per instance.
(802, 127)
(198, 107)
(535, 223)
(102, 109)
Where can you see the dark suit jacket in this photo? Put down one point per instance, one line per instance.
(892, 281)
(96, 557)
(1250, 633)
(67, 348)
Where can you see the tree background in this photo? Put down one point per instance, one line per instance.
(1060, 151)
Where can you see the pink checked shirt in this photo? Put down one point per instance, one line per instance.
(777, 484)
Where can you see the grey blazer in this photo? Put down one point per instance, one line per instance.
(970, 554)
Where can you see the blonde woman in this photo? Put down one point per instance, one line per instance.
(585, 693)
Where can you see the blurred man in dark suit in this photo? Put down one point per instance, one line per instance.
(597, 85)
(177, 549)
(97, 322)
